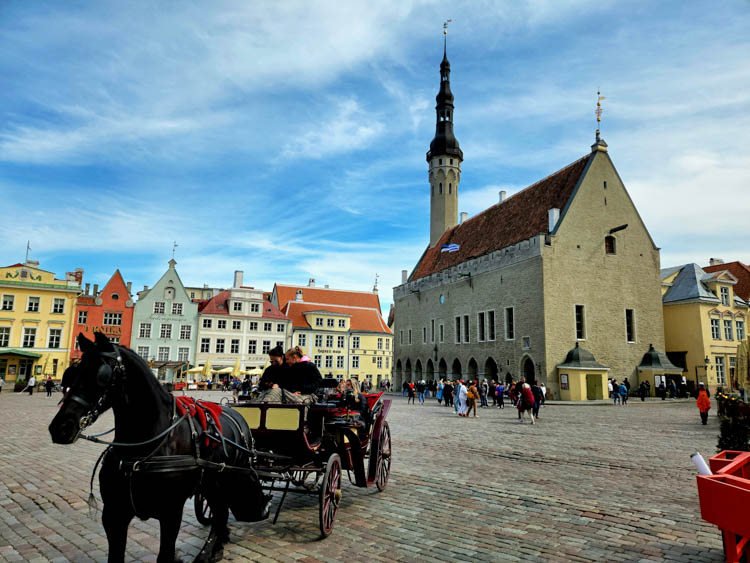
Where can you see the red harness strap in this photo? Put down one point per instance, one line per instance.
(200, 410)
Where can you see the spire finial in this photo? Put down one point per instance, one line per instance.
(445, 37)
(28, 249)
(598, 111)
(174, 247)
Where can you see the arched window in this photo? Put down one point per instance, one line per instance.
(609, 245)
(441, 187)
(450, 188)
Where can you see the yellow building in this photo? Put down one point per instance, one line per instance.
(704, 322)
(343, 332)
(36, 319)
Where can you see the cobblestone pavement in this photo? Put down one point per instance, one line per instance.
(586, 483)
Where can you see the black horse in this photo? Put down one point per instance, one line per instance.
(160, 458)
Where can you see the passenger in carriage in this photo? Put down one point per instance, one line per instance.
(275, 372)
(302, 377)
(353, 399)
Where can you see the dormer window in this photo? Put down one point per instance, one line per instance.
(115, 296)
(724, 295)
(610, 245)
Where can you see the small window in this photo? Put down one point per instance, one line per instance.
(450, 188)
(441, 187)
(605, 184)
(724, 291)
(609, 245)
(580, 322)
(630, 325)
(510, 333)
(440, 161)
(115, 296)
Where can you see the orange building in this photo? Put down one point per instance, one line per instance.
(109, 311)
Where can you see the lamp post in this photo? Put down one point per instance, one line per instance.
(705, 366)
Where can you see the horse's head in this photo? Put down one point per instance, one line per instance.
(89, 387)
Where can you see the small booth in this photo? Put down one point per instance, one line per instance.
(581, 377)
(655, 367)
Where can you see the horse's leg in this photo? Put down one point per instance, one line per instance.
(213, 549)
(116, 522)
(169, 527)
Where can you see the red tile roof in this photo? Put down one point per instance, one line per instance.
(325, 296)
(217, 305)
(364, 319)
(520, 217)
(738, 270)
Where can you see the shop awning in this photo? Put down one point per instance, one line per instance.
(16, 352)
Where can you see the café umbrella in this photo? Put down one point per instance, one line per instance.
(743, 364)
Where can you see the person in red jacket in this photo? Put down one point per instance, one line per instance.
(703, 402)
(525, 402)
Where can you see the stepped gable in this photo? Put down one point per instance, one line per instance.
(520, 217)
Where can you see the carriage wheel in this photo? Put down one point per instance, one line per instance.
(202, 509)
(383, 470)
(330, 494)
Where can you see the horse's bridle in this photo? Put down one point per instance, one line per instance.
(110, 373)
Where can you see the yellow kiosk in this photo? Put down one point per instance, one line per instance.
(582, 377)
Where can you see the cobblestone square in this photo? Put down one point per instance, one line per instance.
(586, 483)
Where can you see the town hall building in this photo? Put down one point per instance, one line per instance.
(557, 283)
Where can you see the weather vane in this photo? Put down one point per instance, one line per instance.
(445, 26)
(375, 288)
(598, 111)
(174, 247)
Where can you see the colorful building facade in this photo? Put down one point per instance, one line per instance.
(36, 321)
(109, 311)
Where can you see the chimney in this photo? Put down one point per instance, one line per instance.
(298, 297)
(404, 276)
(464, 215)
(238, 278)
(88, 287)
(130, 288)
(554, 216)
(145, 288)
(96, 289)
(503, 193)
(311, 282)
(715, 261)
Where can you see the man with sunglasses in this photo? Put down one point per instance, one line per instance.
(273, 374)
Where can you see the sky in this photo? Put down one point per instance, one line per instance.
(288, 139)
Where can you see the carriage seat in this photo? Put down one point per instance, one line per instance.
(281, 427)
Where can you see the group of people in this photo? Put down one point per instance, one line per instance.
(619, 392)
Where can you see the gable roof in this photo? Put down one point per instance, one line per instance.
(362, 319)
(217, 305)
(326, 296)
(738, 270)
(520, 217)
(688, 285)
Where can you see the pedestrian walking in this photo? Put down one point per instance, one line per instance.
(448, 394)
(462, 396)
(703, 402)
(525, 403)
(536, 390)
(623, 394)
(421, 388)
(492, 388)
(662, 390)
(472, 394)
(49, 385)
(2, 382)
(500, 391)
(484, 390)
(615, 392)
(410, 393)
(643, 391)
(544, 392)
(609, 387)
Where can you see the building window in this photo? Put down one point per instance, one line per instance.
(410, 337)
(205, 345)
(724, 292)
(236, 325)
(424, 335)
(467, 339)
(186, 332)
(221, 324)
(342, 323)
(387, 362)
(340, 362)
(112, 319)
(355, 341)
(255, 307)
(609, 245)
(490, 325)
(340, 342)
(58, 305)
(526, 342)
(4, 336)
(380, 362)
(630, 325)
(29, 337)
(728, 329)
(234, 346)
(237, 306)
(318, 321)
(144, 330)
(401, 337)
(380, 343)
(329, 323)
(329, 341)
(715, 332)
(82, 317)
(220, 346)
(266, 347)
(432, 330)
(280, 327)
(267, 327)
(329, 361)
(302, 340)
(207, 323)
(252, 346)
(176, 308)
(317, 359)
(355, 362)
(114, 339)
(721, 376)
(54, 338)
(480, 327)
(732, 367)
(580, 313)
(510, 329)
(143, 352)
(158, 307)
(183, 354)
(318, 340)
(32, 305)
(740, 325)
(163, 353)
(8, 302)
(458, 330)
(165, 331)
(253, 326)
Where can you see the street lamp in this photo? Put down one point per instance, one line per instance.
(705, 366)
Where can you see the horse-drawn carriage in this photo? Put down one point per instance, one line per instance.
(305, 449)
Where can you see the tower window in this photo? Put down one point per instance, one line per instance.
(440, 161)
(451, 162)
(450, 188)
(605, 184)
(441, 187)
(609, 244)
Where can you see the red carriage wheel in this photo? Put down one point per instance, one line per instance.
(383, 470)
(330, 494)
(202, 510)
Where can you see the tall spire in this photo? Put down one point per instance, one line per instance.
(444, 142)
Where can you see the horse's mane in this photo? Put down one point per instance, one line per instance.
(148, 377)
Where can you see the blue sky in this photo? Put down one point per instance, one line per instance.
(288, 139)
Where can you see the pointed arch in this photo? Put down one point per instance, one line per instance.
(430, 371)
(490, 369)
(456, 369)
(443, 369)
(418, 371)
(472, 371)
